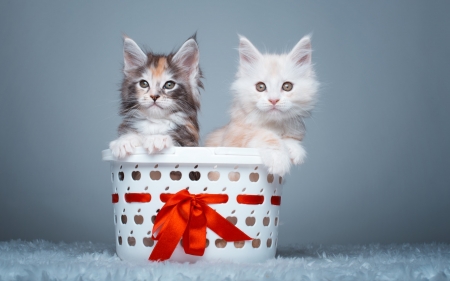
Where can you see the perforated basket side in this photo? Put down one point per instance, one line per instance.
(215, 174)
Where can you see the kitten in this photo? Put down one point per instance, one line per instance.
(160, 99)
(272, 95)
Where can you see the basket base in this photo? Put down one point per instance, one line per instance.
(229, 254)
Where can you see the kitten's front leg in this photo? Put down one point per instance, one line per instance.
(273, 152)
(157, 143)
(296, 151)
(277, 161)
(125, 144)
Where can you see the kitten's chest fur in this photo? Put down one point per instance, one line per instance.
(290, 128)
(154, 126)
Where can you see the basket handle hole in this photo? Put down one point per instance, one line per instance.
(131, 241)
(148, 242)
(233, 220)
(155, 175)
(234, 176)
(221, 243)
(254, 177)
(138, 219)
(239, 244)
(136, 175)
(175, 175)
(213, 176)
(256, 243)
(194, 176)
(250, 221)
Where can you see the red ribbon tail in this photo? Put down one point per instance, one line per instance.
(194, 238)
(174, 228)
(223, 227)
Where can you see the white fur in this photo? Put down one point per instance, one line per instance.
(154, 143)
(297, 153)
(284, 118)
(125, 144)
(277, 161)
(157, 126)
(152, 135)
(273, 70)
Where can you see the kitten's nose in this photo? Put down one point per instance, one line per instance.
(154, 98)
(274, 101)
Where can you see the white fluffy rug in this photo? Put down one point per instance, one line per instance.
(41, 260)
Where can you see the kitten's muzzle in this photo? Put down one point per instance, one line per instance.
(154, 97)
(274, 101)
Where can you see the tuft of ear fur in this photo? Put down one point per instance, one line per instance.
(187, 57)
(301, 53)
(248, 53)
(133, 56)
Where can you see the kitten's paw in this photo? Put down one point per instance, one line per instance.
(156, 143)
(124, 145)
(296, 152)
(276, 161)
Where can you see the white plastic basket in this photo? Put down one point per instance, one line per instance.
(231, 171)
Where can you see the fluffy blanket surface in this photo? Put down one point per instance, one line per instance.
(41, 260)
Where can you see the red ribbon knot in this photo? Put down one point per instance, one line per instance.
(187, 216)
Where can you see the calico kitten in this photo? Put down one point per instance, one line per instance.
(272, 95)
(160, 99)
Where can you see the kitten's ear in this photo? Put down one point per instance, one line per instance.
(187, 57)
(248, 53)
(301, 53)
(133, 56)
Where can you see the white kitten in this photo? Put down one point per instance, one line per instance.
(272, 95)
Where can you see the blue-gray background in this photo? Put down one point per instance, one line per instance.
(378, 142)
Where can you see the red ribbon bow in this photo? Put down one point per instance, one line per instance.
(187, 215)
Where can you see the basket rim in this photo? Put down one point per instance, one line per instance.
(222, 155)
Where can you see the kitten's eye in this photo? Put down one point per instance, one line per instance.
(143, 84)
(260, 87)
(287, 86)
(169, 85)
